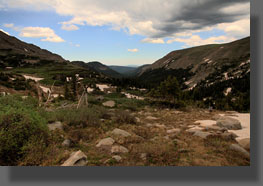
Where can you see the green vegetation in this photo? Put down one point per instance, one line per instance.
(20, 126)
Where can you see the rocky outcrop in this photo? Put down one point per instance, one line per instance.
(109, 104)
(229, 123)
(105, 142)
(76, 159)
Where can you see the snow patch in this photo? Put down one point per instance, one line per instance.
(244, 119)
(36, 79)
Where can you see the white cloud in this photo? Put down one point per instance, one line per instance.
(133, 50)
(77, 45)
(154, 19)
(69, 27)
(196, 40)
(41, 32)
(4, 31)
(9, 25)
(152, 40)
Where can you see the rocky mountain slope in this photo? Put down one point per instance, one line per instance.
(98, 67)
(14, 52)
(224, 61)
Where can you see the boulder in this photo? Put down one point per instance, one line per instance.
(76, 159)
(138, 120)
(143, 156)
(55, 125)
(117, 158)
(238, 148)
(245, 143)
(109, 104)
(116, 149)
(151, 118)
(66, 143)
(228, 136)
(120, 132)
(105, 142)
(202, 134)
(173, 131)
(229, 123)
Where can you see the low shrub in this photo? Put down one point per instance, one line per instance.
(20, 123)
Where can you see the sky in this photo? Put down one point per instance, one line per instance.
(124, 32)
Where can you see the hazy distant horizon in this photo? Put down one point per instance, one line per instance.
(132, 33)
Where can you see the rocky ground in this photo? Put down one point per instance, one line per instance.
(160, 137)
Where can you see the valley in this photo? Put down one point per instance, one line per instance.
(190, 108)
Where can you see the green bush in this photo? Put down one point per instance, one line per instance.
(19, 123)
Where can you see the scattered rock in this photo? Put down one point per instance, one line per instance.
(109, 104)
(76, 159)
(229, 123)
(149, 125)
(172, 131)
(228, 136)
(241, 150)
(194, 129)
(105, 142)
(55, 125)
(137, 119)
(151, 118)
(160, 126)
(120, 132)
(202, 134)
(117, 158)
(66, 143)
(143, 156)
(166, 137)
(245, 143)
(118, 149)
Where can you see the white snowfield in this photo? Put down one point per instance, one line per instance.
(244, 119)
(36, 79)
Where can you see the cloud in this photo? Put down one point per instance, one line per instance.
(196, 40)
(9, 25)
(133, 50)
(153, 19)
(69, 27)
(152, 40)
(41, 32)
(4, 31)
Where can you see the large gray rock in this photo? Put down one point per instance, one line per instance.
(76, 159)
(105, 142)
(241, 150)
(120, 132)
(229, 123)
(55, 125)
(116, 149)
(109, 104)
